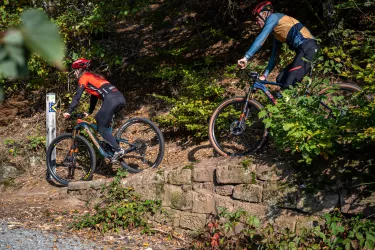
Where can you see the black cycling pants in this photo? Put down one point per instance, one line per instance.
(111, 104)
(295, 71)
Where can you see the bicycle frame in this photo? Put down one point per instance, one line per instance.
(261, 85)
(83, 125)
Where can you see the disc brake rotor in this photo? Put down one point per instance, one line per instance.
(237, 127)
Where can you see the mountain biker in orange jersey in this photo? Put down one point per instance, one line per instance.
(284, 29)
(99, 88)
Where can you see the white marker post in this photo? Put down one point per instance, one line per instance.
(51, 124)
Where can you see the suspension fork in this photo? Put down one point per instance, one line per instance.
(73, 152)
(244, 114)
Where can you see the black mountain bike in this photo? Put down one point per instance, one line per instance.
(235, 128)
(71, 156)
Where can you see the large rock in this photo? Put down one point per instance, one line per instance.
(203, 203)
(354, 203)
(257, 209)
(179, 176)
(176, 198)
(225, 190)
(203, 172)
(235, 174)
(294, 221)
(192, 221)
(8, 172)
(168, 216)
(85, 185)
(248, 192)
(223, 202)
(319, 202)
(283, 196)
(209, 186)
(148, 184)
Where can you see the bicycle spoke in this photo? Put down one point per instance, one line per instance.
(231, 136)
(143, 142)
(74, 160)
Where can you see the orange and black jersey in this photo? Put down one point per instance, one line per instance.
(97, 86)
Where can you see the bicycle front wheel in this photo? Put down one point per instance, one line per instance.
(70, 159)
(230, 137)
(144, 142)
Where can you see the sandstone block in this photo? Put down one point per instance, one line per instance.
(167, 216)
(319, 202)
(257, 209)
(249, 192)
(203, 203)
(192, 221)
(203, 173)
(226, 190)
(209, 186)
(179, 176)
(176, 198)
(79, 185)
(235, 174)
(224, 202)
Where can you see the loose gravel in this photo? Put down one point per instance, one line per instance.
(21, 238)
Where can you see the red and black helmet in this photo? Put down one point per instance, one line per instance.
(262, 6)
(81, 63)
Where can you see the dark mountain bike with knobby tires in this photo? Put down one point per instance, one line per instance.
(235, 128)
(71, 156)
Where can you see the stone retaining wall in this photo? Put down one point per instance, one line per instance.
(191, 194)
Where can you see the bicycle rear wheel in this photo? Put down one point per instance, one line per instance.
(341, 98)
(145, 143)
(228, 137)
(70, 159)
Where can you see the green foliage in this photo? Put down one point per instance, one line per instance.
(353, 59)
(36, 34)
(300, 123)
(12, 146)
(335, 232)
(197, 97)
(36, 142)
(122, 208)
(33, 143)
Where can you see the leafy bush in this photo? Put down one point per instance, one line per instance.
(353, 59)
(193, 104)
(300, 123)
(239, 230)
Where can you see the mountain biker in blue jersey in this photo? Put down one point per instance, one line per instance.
(284, 29)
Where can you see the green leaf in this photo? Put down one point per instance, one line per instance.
(288, 126)
(370, 237)
(13, 37)
(341, 229)
(262, 114)
(8, 68)
(369, 244)
(3, 53)
(16, 53)
(42, 36)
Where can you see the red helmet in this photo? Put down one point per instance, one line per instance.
(81, 63)
(262, 6)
